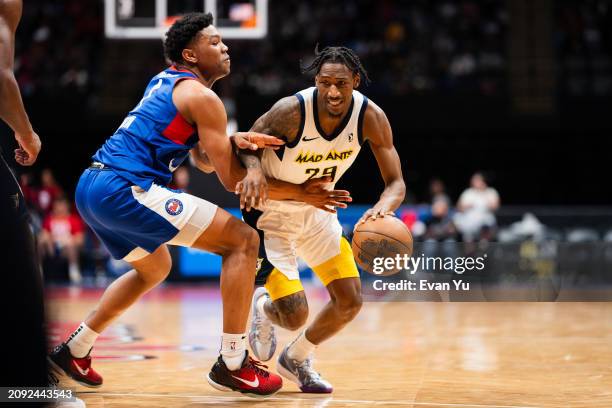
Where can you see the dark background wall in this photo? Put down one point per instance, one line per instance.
(447, 122)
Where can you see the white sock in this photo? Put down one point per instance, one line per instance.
(81, 341)
(74, 273)
(301, 348)
(260, 304)
(233, 350)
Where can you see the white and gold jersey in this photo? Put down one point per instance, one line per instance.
(294, 229)
(314, 154)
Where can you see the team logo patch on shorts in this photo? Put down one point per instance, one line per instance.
(174, 206)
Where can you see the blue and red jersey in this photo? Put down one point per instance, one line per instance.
(154, 138)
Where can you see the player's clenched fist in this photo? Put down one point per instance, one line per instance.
(29, 147)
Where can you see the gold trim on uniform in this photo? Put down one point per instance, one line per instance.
(339, 267)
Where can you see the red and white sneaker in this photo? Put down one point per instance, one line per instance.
(251, 379)
(79, 369)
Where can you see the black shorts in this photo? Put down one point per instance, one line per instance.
(21, 302)
(12, 202)
(264, 267)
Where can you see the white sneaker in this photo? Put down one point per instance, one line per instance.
(261, 334)
(77, 403)
(302, 373)
(54, 382)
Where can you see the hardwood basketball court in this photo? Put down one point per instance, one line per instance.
(421, 354)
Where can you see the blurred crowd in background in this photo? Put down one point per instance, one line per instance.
(59, 49)
(443, 46)
(417, 46)
(69, 250)
(583, 41)
(442, 224)
(433, 47)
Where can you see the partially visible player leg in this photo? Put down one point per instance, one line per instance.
(21, 294)
(148, 272)
(344, 305)
(288, 311)
(291, 312)
(238, 244)
(295, 362)
(72, 357)
(339, 274)
(127, 220)
(71, 250)
(281, 302)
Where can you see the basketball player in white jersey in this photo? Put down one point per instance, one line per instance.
(324, 128)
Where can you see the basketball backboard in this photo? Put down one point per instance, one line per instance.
(149, 19)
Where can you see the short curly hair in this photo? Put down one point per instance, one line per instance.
(182, 32)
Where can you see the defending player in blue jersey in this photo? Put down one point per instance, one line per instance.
(123, 198)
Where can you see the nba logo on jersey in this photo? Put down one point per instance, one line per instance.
(174, 206)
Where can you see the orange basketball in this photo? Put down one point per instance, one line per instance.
(384, 237)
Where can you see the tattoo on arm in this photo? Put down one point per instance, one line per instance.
(250, 160)
(282, 120)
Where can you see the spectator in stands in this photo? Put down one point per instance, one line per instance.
(62, 236)
(440, 226)
(437, 192)
(30, 192)
(180, 179)
(440, 234)
(476, 210)
(49, 191)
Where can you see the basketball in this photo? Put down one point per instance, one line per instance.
(384, 237)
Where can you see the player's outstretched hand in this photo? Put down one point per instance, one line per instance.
(315, 194)
(29, 147)
(374, 213)
(253, 189)
(254, 141)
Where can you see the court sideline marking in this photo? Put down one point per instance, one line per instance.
(331, 400)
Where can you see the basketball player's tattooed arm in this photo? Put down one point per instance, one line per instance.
(283, 121)
(201, 106)
(377, 131)
(253, 142)
(240, 140)
(12, 110)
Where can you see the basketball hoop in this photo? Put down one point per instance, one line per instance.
(143, 19)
